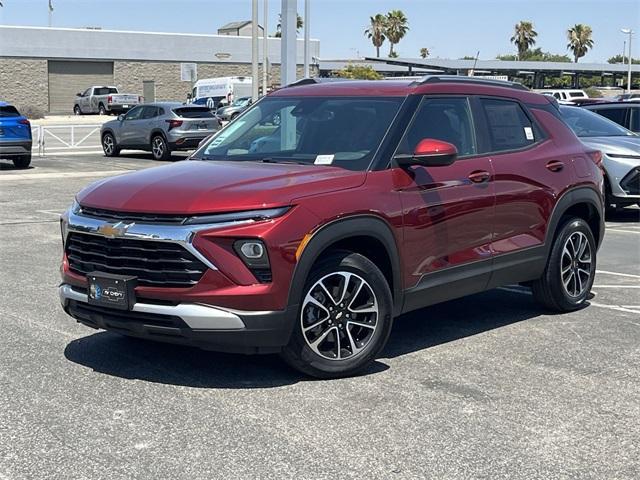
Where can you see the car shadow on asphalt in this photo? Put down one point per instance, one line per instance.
(9, 166)
(149, 361)
(624, 215)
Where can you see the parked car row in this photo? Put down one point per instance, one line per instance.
(15, 136)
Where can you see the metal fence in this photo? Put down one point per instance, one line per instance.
(65, 138)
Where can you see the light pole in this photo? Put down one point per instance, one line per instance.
(628, 31)
(307, 16)
(254, 50)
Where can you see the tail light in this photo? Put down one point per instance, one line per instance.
(174, 123)
(109, 99)
(24, 121)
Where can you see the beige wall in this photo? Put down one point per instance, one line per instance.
(24, 83)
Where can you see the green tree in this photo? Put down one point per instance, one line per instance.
(362, 72)
(376, 31)
(299, 25)
(580, 40)
(397, 27)
(424, 52)
(524, 37)
(536, 55)
(620, 59)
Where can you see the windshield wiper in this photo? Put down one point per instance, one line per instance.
(280, 160)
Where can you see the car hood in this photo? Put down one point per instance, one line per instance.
(196, 187)
(629, 145)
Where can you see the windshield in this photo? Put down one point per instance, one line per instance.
(339, 131)
(241, 102)
(588, 124)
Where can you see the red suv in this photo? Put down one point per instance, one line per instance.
(326, 210)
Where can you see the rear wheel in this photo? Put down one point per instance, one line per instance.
(344, 319)
(159, 148)
(568, 277)
(102, 110)
(109, 145)
(23, 161)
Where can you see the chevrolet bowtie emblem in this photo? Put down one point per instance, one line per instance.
(113, 230)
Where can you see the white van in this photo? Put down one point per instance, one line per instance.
(216, 92)
(566, 95)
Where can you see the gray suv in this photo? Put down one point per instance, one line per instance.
(159, 128)
(236, 108)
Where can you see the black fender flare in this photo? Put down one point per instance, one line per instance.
(155, 132)
(575, 196)
(344, 228)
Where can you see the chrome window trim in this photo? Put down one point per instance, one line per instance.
(179, 234)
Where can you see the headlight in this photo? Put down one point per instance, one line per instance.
(75, 207)
(257, 215)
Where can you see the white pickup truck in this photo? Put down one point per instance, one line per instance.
(104, 100)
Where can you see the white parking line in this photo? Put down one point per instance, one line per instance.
(618, 308)
(630, 275)
(43, 176)
(622, 231)
(616, 286)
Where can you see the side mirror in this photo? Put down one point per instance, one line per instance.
(121, 117)
(79, 95)
(429, 153)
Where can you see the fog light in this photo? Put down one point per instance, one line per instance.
(252, 250)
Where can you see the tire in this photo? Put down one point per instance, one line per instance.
(22, 162)
(102, 110)
(159, 148)
(76, 110)
(568, 277)
(234, 116)
(109, 145)
(341, 347)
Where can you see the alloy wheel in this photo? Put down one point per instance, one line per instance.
(158, 147)
(576, 264)
(107, 144)
(339, 316)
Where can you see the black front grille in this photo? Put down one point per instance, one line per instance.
(127, 217)
(156, 264)
(631, 182)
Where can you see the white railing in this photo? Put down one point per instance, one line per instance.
(65, 138)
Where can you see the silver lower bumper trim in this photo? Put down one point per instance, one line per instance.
(197, 317)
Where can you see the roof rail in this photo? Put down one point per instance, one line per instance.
(462, 79)
(316, 80)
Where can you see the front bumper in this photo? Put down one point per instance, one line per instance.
(15, 148)
(203, 326)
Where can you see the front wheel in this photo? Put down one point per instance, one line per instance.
(159, 148)
(109, 145)
(344, 319)
(568, 277)
(77, 111)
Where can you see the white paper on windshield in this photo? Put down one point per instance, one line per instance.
(528, 132)
(324, 159)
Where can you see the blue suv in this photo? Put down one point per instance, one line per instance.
(15, 136)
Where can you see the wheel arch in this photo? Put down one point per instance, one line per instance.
(583, 202)
(368, 235)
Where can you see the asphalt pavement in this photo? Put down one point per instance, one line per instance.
(488, 386)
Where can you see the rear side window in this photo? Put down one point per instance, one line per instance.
(149, 112)
(447, 119)
(576, 94)
(193, 112)
(635, 120)
(618, 115)
(508, 125)
(8, 111)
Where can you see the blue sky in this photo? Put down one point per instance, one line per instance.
(450, 29)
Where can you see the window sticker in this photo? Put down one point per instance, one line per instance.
(528, 132)
(324, 159)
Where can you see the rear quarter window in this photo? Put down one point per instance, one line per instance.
(192, 112)
(9, 111)
(509, 126)
(618, 115)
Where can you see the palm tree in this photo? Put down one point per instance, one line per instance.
(424, 52)
(397, 27)
(580, 40)
(524, 37)
(376, 31)
(299, 25)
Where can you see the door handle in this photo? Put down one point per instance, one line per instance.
(555, 165)
(479, 176)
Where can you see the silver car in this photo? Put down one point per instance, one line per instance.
(159, 128)
(238, 106)
(620, 153)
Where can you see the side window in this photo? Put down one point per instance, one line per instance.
(447, 119)
(508, 125)
(134, 114)
(635, 119)
(618, 115)
(149, 112)
(87, 92)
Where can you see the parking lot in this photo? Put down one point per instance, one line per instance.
(488, 386)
